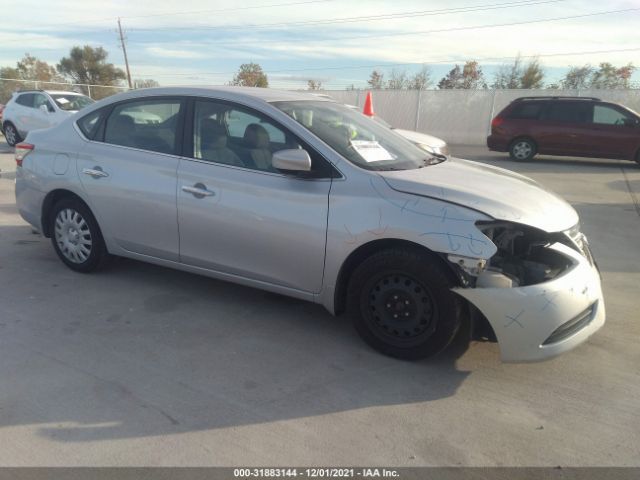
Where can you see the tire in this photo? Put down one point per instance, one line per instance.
(76, 236)
(402, 305)
(11, 134)
(522, 149)
(638, 157)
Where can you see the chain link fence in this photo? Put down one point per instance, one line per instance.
(460, 116)
(97, 92)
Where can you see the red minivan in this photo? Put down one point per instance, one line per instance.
(566, 126)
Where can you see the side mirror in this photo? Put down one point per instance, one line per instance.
(293, 160)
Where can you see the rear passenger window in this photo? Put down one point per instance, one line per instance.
(569, 112)
(145, 124)
(526, 111)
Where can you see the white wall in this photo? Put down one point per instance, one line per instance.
(460, 116)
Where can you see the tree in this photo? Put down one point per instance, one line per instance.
(518, 75)
(376, 80)
(314, 85)
(88, 65)
(468, 77)
(577, 77)
(145, 83)
(421, 80)
(398, 80)
(609, 76)
(532, 75)
(250, 75)
(28, 68)
(508, 76)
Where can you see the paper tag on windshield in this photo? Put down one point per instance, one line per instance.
(371, 151)
(63, 100)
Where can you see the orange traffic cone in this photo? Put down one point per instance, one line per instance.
(368, 105)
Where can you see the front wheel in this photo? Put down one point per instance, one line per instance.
(11, 135)
(402, 304)
(76, 236)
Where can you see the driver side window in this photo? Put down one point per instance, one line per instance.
(605, 115)
(234, 135)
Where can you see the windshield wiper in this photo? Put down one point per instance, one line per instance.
(434, 159)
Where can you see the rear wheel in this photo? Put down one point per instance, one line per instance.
(76, 236)
(11, 134)
(522, 149)
(402, 305)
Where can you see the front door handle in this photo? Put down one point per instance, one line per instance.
(199, 190)
(95, 172)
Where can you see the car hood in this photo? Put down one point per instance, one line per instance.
(422, 138)
(499, 193)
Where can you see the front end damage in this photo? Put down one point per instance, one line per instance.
(540, 292)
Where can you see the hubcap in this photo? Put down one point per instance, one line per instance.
(401, 308)
(10, 134)
(73, 235)
(522, 150)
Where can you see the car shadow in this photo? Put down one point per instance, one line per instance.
(139, 350)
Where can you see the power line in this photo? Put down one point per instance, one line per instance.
(443, 30)
(182, 12)
(407, 64)
(366, 18)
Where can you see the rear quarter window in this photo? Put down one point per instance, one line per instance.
(89, 124)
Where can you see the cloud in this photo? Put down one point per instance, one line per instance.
(173, 53)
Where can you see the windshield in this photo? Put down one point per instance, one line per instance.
(71, 102)
(356, 137)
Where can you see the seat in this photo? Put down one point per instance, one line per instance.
(120, 131)
(213, 144)
(258, 144)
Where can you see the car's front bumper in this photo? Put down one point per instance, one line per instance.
(540, 321)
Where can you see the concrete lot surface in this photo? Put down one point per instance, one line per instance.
(141, 365)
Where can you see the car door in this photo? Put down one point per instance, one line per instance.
(564, 128)
(615, 132)
(129, 173)
(240, 216)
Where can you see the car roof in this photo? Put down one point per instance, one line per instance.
(230, 93)
(55, 92)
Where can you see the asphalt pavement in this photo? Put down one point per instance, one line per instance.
(142, 365)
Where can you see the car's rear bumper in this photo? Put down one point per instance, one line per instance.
(497, 144)
(541, 321)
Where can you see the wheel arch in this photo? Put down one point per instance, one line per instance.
(523, 137)
(368, 249)
(50, 200)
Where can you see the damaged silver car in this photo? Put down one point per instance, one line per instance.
(305, 197)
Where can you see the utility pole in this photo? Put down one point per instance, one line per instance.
(124, 50)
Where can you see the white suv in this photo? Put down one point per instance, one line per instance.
(35, 109)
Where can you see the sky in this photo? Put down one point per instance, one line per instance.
(337, 42)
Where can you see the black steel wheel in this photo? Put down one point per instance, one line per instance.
(402, 304)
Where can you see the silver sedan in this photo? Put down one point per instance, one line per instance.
(305, 197)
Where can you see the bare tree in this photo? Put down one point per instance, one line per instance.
(421, 80)
(398, 80)
(145, 83)
(532, 75)
(577, 77)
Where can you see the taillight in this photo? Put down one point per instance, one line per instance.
(496, 122)
(22, 150)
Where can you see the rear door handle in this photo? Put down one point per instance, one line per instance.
(199, 190)
(95, 172)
